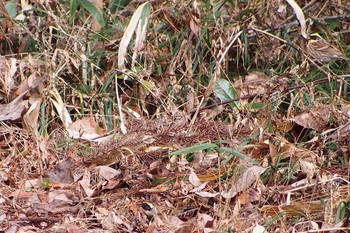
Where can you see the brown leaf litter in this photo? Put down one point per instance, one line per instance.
(110, 184)
(130, 183)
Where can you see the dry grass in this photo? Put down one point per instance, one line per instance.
(105, 132)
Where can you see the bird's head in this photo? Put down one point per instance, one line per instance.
(314, 37)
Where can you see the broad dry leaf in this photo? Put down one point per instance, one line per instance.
(199, 188)
(140, 39)
(280, 148)
(107, 172)
(85, 184)
(248, 178)
(61, 108)
(206, 194)
(300, 16)
(13, 111)
(194, 180)
(32, 184)
(259, 229)
(314, 225)
(194, 26)
(31, 82)
(212, 113)
(249, 196)
(204, 221)
(66, 195)
(112, 222)
(31, 117)
(174, 223)
(85, 128)
(342, 131)
(254, 83)
(316, 118)
(102, 211)
(136, 19)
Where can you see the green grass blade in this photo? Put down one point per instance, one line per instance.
(195, 148)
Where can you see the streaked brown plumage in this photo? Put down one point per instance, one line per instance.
(321, 50)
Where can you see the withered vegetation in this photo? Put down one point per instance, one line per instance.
(172, 116)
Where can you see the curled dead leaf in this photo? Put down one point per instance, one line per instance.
(248, 178)
(13, 110)
(316, 118)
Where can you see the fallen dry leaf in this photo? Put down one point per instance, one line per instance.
(316, 118)
(85, 184)
(13, 110)
(259, 229)
(194, 180)
(248, 178)
(107, 172)
(85, 128)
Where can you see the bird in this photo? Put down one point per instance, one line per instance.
(104, 157)
(319, 49)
